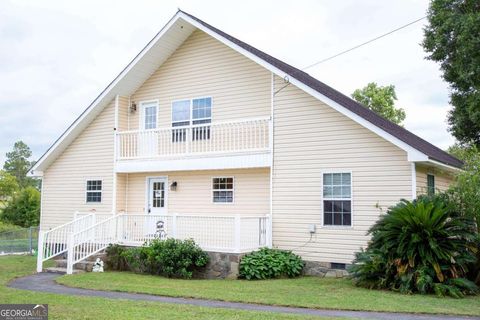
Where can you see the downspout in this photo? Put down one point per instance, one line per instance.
(272, 126)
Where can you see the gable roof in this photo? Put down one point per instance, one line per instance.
(172, 35)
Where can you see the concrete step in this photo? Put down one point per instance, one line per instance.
(85, 265)
(61, 270)
(82, 265)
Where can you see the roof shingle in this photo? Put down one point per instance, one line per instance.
(433, 152)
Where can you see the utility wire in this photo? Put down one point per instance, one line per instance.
(364, 43)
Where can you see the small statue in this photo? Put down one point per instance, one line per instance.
(98, 266)
(160, 233)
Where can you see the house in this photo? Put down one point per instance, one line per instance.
(203, 136)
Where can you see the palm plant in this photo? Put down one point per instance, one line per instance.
(421, 246)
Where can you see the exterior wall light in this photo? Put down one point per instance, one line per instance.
(133, 107)
(173, 186)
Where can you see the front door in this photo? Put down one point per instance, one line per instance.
(155, 220)
(157, 196)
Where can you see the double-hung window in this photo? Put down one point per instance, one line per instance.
(93, 191)
(337, 199)
(222, 190)
(196, 113)
(430, 184)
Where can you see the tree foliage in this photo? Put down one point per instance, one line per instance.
(18, 163)
(423, 246)
(465, 193)
(23, 209)
(452, 38)
(381, 100)
(8, 185)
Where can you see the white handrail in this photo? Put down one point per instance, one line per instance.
(54, 242)
(91, 240)
(198, 125)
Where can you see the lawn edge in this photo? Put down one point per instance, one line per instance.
(262, 304)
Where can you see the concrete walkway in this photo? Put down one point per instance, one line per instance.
(45, 282)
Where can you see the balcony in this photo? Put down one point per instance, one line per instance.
(218, 145)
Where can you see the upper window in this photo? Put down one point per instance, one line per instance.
(430, 184)
(337, 199)
(196, 112)
(222, 190)
(149, 116)
(94, 191)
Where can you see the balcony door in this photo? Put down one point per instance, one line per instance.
(148, 138)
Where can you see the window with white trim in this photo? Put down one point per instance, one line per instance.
(93, 191)
(222, 189)
(337, 199)
(195, 112)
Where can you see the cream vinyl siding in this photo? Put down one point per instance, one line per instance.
(443, 179)
(121, 204)
(90, 156)
(204, 67)
(309, 139)
(194, 192)
(123, 113)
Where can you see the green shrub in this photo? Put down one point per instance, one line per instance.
(270, 263)
(169, 258)
(6, 227)
(422, 246)
(23, 209)
(115, 258)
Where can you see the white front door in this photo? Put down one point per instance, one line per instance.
(157, 196)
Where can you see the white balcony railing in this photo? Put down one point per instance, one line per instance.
(251, 135)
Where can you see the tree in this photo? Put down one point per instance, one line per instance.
(8, 185)
(381, 100)
(24, 209)
(465, 193)
(18, 163)
(461, 151)
(452, 38)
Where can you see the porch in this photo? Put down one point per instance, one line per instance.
(90, 233)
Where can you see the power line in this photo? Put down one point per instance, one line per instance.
(364, 43)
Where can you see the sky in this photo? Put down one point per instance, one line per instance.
(57, 56)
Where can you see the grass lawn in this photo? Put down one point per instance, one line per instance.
(76, 307)
(302, 292)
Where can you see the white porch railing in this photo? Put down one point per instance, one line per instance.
(210, 138)
(233, 233)
(92, 233)
(54, 242)
(239, 233)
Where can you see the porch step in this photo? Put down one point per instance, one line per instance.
(85, 265)
(61, 270)
(82, 265)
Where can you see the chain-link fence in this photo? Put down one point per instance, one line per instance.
(19, 241)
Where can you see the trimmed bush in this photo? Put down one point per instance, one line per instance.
(270, 263)
(422, 246)
(169, 258)
(115, 258)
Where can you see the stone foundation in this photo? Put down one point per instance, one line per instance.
(323, 269)
(221, 266)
